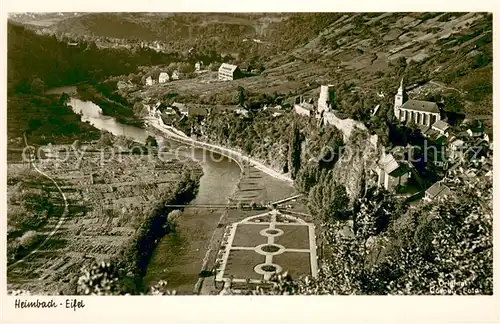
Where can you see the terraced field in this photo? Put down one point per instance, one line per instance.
(108, 201)
(371, 52)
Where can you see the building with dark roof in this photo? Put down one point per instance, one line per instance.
(181, 108)
(417, 111)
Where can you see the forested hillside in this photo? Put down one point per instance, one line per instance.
(31, 56)
(36, 63)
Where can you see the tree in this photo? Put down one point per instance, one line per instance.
(37, 86)
(328, 199)
(76, 145)
(100, 279)
(106, 139)
(173, 218)
(28, 239)
(213, 66)
(242, 96)
(307, 177)
(139, 109)
(459, 259)
(294, 150)
(151, 141)
(64, 98)
(172, 67)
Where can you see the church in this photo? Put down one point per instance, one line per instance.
(424, 113)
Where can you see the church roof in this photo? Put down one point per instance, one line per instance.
(425, 106)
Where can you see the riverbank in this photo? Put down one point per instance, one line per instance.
(121, 111)
(46, 119)
(181, 257)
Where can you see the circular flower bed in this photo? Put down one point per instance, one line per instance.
(270, 248)
(269, 268)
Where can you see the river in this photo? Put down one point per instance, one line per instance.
(178, 257)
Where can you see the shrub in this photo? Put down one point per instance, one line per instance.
(173, 218)
(29, 239)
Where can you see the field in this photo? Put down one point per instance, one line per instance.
(108, 198)
(446, 55)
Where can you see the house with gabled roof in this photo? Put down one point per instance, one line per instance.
(175, 75)
(442, 127)
(488, 136)
(457, 145)
(149, 81)
(303, 107)
(181, 108)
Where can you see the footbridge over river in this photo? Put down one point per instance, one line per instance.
(271, 205)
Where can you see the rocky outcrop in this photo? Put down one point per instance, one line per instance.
(353, 169)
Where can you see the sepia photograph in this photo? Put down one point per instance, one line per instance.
(249, 153)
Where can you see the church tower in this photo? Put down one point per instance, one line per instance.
(399, 99)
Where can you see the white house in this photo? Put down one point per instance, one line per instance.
(197, 66)
(163, 77)
(229, 72)
(303, 108)
(488, 136)
(149, 81)
(175, 75)
(169, 111)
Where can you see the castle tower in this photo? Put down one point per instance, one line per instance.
(326, 98)
(399, 99)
